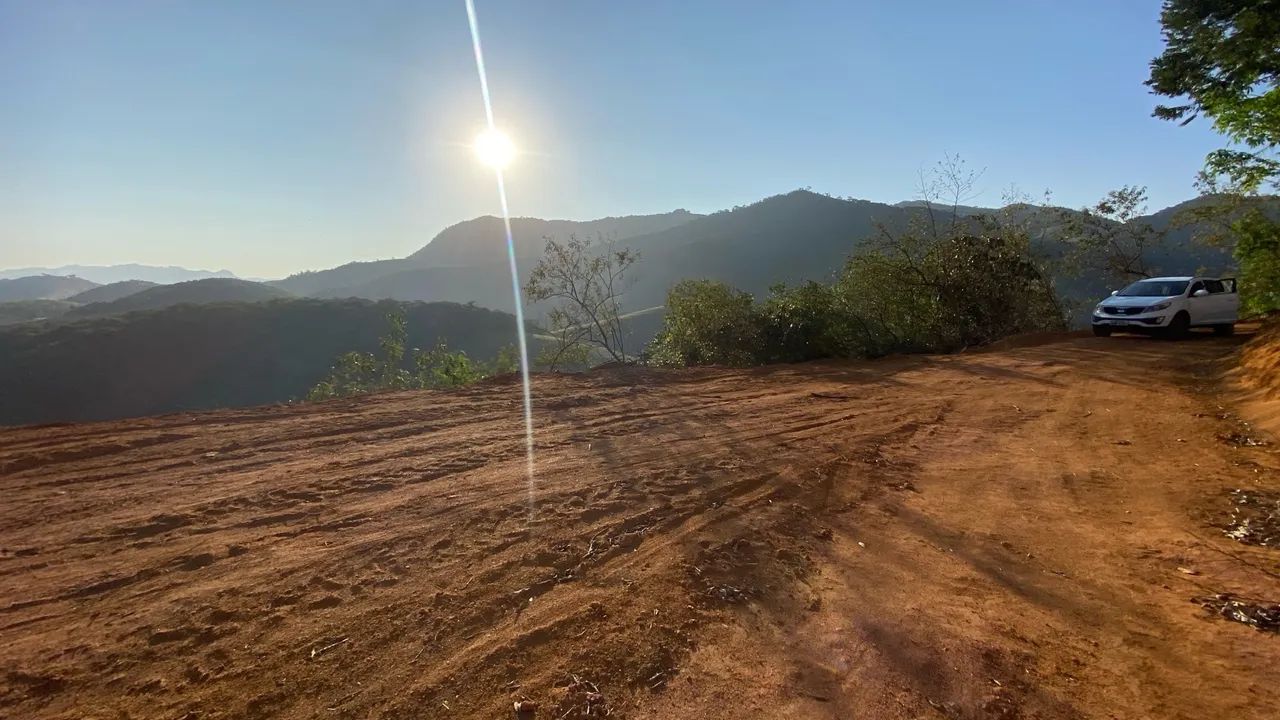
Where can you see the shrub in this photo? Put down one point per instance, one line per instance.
(356, 373)
(707, 323)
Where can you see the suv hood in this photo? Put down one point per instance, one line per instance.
(1135, 300)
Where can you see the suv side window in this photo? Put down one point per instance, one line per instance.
(1195, 286)
(1214, 286)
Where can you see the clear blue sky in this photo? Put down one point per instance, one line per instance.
(270, 137)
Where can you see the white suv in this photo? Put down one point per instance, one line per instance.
(1171, 305)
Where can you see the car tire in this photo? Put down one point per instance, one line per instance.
(1226, 330)
(1101, 331)
(1178, 327)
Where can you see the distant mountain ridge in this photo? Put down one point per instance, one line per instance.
(192, 292)
(111, 291)
(104, 274)
(472, 242)
(477, 242)
(42, 287)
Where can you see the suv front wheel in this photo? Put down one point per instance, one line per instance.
(1178, 326)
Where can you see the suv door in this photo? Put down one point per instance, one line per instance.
(1230, 301)
(1218, 300)
(1199, 308)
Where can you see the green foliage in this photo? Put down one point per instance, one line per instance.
(707, 323)
(1223, 58)
(506, 361)
(356, 373)
(1258, 254)
(920, 292)
(929, 289)
(353, 373)
(439, 368)
(393, 376)
(802, 323)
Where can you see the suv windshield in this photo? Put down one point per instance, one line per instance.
(1154, 288)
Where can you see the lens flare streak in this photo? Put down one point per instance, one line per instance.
(511, 257)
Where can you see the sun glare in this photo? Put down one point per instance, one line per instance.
(494, 148)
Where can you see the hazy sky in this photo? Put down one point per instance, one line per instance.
(270, 137)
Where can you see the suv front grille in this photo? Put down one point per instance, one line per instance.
(1122, 310)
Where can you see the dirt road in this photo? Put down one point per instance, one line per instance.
(1011, 534)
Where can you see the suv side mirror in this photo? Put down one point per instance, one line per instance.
(1115, 292)
(1200, 293)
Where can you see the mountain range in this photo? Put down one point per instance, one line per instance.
(49, 298)
(103, 274)
(195, 292)
(786, 238)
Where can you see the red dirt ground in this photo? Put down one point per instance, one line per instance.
(1009, 534)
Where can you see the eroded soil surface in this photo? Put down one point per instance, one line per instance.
(1012, 534)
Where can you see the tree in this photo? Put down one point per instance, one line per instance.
(585, 283)
(394, 377)
(917, 292)
(946, 188)
(958, 278)
(1222, 59)
(1108, 238)
(1258, 252)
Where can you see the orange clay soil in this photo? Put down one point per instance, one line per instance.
(1009, 534)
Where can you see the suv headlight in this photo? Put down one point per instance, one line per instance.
(1097, 309)
(1158, 306)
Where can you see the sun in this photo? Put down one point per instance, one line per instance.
(494, 148)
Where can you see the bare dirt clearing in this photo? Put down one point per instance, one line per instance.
(1005, 534)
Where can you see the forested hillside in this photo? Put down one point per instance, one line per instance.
(190, 357)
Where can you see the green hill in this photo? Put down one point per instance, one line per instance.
(20, 311)
(192, 357)
(111, 291)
